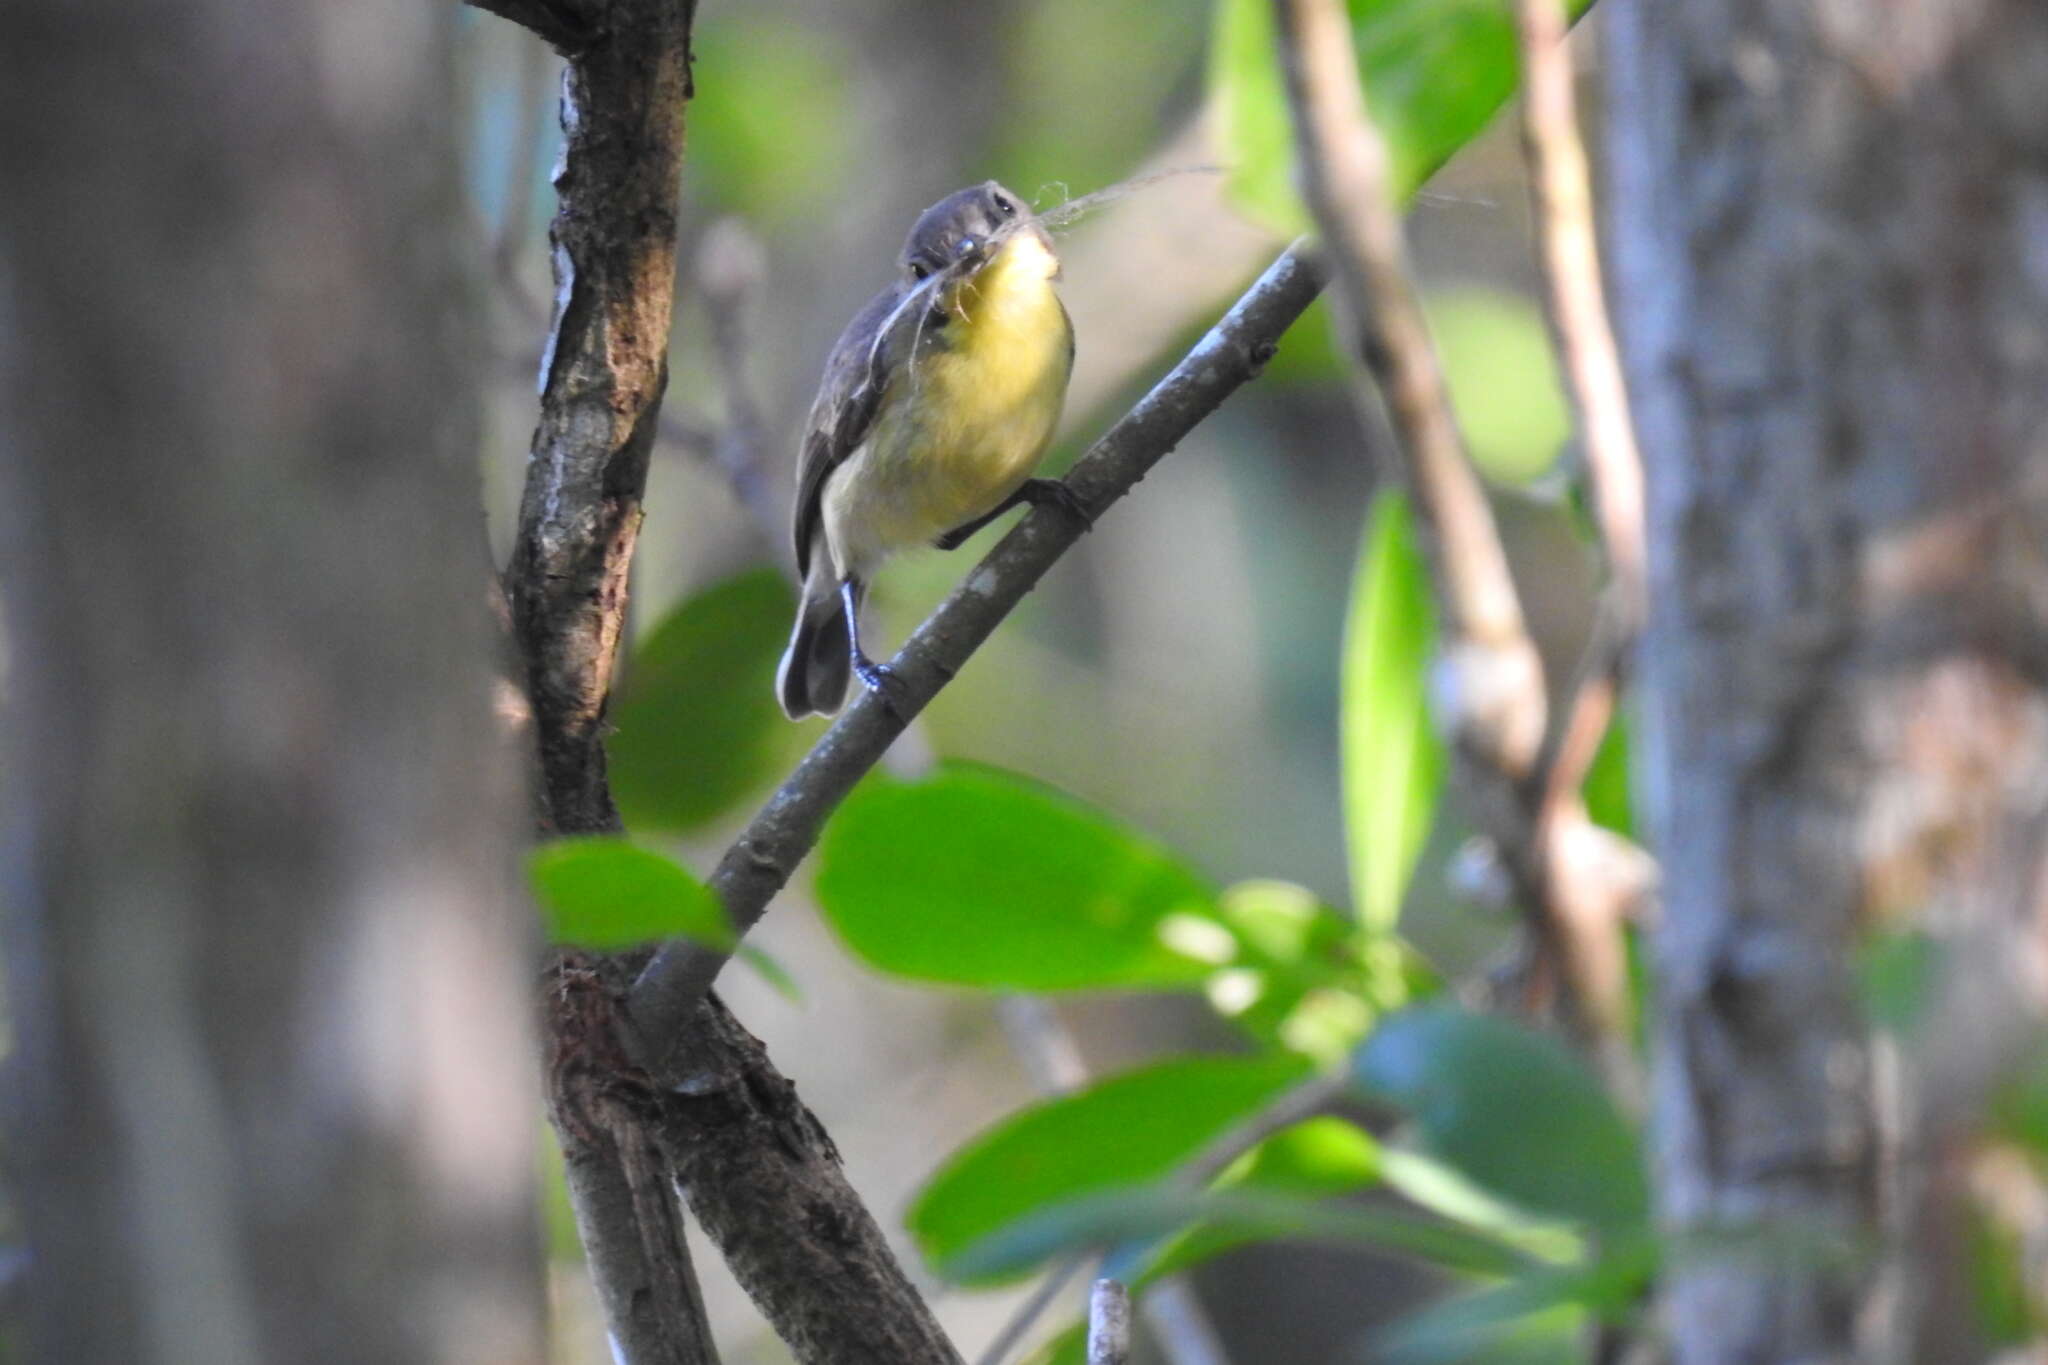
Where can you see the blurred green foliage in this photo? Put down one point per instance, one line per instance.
(1120, 1131)
(695, 725)
(1393, 758)
(1503, 380)
(1435, 72)
(1514, 1111)
(978, 879)
(773, 99)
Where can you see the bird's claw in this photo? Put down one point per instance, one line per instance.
(884, 682)
(1059, 493)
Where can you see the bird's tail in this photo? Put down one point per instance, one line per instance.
(819, 661)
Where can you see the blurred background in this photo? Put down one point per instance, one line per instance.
(1178, 669)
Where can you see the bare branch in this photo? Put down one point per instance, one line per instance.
(760, 862)
(765, 1182)
(1489, 690)
(1562, 190)
(1495, 703)
(619, 1183)
(1109, 1324)
(562, 24)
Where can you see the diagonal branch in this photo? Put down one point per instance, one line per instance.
(761, 861)
(1488, 688)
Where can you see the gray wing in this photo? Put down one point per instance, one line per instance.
(855, 375)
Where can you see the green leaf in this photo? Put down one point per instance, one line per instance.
(979, 878)
(696, 727)
(1318, 1157)
(1322, 1156)
(606, 893)
(1502, 378)
(1118, 1132)
(1393, 759)
(1435, 72)
(1104, 1220)
(1513, 1111)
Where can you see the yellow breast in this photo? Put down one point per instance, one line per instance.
(966, 422)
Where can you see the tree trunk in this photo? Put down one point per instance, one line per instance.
(269, 972)
(1831, 232)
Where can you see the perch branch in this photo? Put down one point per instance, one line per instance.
(766, 853)
(1488, 688)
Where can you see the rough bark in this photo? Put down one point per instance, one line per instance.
(272, 1083)
(1834, 284)
(769, 1190)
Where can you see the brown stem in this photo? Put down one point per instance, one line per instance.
(1489, 689)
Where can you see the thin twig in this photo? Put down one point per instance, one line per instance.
(1488, 689)
(761, 861)
(1109, 1324)
(1561, 188)
(1562, 193)
(1492, 701)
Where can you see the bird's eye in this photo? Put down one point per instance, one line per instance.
(1005, 207)
(919, 270)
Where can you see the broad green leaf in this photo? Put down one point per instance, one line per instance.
(1105, 1220)
(1513, 1111)
(1435, 71)
(606, 893)
(1502, 378)
(1322, 1156)
(1393, 759)
(979, 878)
(696, 727)
(1118, 1132)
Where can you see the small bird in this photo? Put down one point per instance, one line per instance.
(937, 402)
